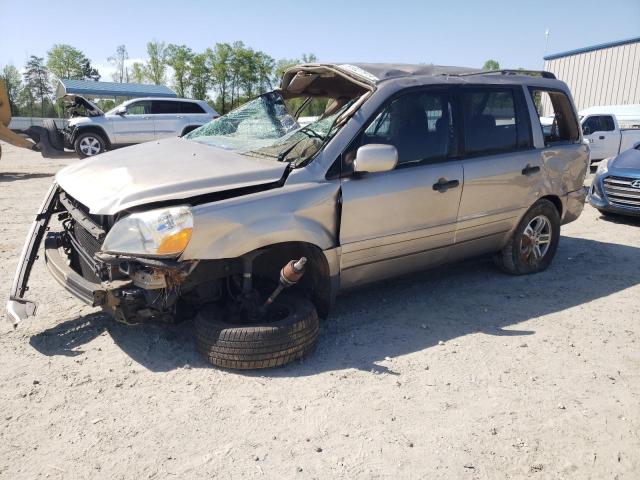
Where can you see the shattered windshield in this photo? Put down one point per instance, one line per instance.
(264, 128)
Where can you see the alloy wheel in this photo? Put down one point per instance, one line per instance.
(536, 240)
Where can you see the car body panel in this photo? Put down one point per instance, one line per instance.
(389, 215)
(167, 169)
(297, 212)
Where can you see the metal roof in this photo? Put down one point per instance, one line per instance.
(93, 89)
(600, 46)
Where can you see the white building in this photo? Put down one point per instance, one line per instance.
(605, 74)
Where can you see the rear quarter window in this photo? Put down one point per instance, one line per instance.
(191, 107)
(557, 118)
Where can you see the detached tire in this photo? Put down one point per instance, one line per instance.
(89, 144)
(263, 345)
(534, 241)
(56, 138)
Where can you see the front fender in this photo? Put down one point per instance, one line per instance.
(297, 213)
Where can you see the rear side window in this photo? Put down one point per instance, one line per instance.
(160, 107)
(557, 120)
(598, 123)
(491, 121)
(190, 107)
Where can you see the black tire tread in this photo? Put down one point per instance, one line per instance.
(506, 259)
(258, 346)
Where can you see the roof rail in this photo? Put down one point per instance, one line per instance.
(533, 73)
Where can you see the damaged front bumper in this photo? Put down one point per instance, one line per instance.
(127, 284)
(18, 307)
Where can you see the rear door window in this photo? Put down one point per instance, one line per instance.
(191, 107)
(492, 122)
(163, 107)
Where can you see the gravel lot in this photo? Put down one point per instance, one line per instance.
(461, 372)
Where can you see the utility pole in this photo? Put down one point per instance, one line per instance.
(546, 45)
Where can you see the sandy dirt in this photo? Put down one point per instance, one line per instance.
(462, 372)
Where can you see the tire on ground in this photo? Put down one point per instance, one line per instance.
(77, 143)
(56, 139)
(264, 345)
(510, 260)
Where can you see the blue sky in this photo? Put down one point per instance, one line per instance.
(446, 32)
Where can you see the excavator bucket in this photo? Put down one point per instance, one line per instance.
(38, 140)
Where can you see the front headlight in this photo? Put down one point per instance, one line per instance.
(603, 166)
(162, 232)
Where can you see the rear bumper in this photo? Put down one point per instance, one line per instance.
(574, 204)
(57, 263)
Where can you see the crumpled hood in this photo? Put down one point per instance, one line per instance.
(627, 160)
(162, 170)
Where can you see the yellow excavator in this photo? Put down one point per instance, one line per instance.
(34, 138)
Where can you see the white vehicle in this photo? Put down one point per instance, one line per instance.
(610, 130)
(90, 131)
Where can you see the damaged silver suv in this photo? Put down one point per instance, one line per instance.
(251, 224)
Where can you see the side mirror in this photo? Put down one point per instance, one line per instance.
(375, 158)
(586, 130)
(121, 110)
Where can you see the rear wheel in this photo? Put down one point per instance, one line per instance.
(89, 144)
(534, 242)
(288, 332)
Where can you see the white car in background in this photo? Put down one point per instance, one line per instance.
(90, 131)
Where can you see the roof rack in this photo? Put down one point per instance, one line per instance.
(533, 73)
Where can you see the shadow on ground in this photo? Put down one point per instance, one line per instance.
(395, 317)
(16, 176)
(621, 219)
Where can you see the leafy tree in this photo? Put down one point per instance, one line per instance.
(156, 67)
(12, 80)
(119, 60)
(491, 65)
(65, 61)
(36, 78)
(199, 76)
(179, 58)
(138, 73)
(90, 72)
(219, 59)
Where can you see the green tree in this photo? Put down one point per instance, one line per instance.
(89, 72)
(12, 80)
(179, 58)
(199, 76)
(491, 65)
(36, 78)
(65, 61)
(138, 73)
(219, 62)
(156, 67)
(119, 60)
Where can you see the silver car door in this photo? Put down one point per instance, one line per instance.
(134, 126)
(168, 118)
(501, 170)
(402, 220)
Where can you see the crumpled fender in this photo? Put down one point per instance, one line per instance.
(304, 212)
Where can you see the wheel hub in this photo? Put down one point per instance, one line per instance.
(536, 239)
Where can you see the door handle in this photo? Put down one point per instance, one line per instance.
(530, 169)
(601, 137)
(179, 116)
(443, 185)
